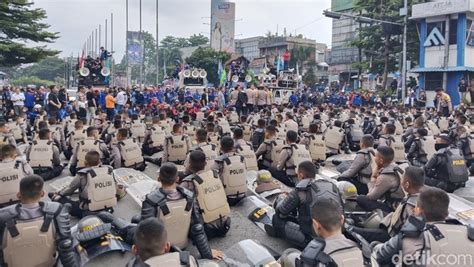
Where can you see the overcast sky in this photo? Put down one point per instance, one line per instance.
(76, 19)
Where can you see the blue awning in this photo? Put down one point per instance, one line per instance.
(441, 69)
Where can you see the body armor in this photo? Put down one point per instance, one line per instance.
(10, 175)
(130, 152)
(41, 154)
(84, 147)
(177, 148)
(101, 190)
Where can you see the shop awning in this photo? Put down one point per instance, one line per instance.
(441, 69)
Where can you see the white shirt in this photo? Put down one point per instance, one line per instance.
(18, 99)
(121, 98)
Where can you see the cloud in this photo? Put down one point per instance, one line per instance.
(75, 20)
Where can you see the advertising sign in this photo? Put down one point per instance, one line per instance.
(223, 26)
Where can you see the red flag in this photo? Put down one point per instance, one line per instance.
(81, 61)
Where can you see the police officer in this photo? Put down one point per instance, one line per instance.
(385, 191)
(307, 194)
(239, 138)
(172, 197)
(91, 181)
(360, 169)
(154, 138)
(215, 218)
(413, 181)
(176, 146)
(231, 168)
(5, 135)
(331, 248)
(417, 154)
(12, 170)
(447, 168)
(284, 172)
(74, 137)
(387, 138)
(126, 153)
(210, 150)
(44, 157)
(464, 143)
(57, 133)
(265, 149)
(446, 240)
(91, 142)
(44, 226)
(152, 248)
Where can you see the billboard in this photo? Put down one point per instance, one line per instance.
(223, 26)
(341, 5)
(134, 52)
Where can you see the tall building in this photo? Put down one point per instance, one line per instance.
(344, 30)
(446, 31)
(248, 47)
(223, 25)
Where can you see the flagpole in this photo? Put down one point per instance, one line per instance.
(126, 36)
(157, 48)
(141, 48)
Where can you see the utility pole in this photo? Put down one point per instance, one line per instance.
(157, 48)
(126, 36)
(404, 57)
(141, 48)
(105, 46)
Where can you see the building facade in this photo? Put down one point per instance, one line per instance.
(248, 47)
(446, 45)
(344, 30)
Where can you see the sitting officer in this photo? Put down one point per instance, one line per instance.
(331, 248)
(215, 216)
(12, 170)
(413, 181)
(417, 154)
(466, 145)
(385, 192)
(57, 133)
(91, 143)
(174, 205)
(265, 149)
(239, 138)
(97, 188)
(387, 138)
(428, 236)
(447, 168)
(43, 156)
(285, 171)
(308, 192)
(360, 169)
(152, 248)
(230, 167)
(154, 138)
(74, 137)
(210, 150)
(6, 137)
(126, 153)
(176, 146)
(34, 232)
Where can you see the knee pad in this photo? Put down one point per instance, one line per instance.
(136, 219)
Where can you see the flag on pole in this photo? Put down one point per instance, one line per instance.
(81, 60)
(297, 75)
(223, 77)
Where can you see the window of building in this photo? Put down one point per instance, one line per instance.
(470, 33)
(453, 31)
(433, 80)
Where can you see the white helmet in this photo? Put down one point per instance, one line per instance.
(37, 106)
(347, 190)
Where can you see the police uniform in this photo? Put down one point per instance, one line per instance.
(11, 173)
(231, 169)
(127, 154)
(385, 186)
(175, 208)
(103, 151)
(82, 183)
(44, 226)
(168, 149)
(291, 125)
(154, 139)
(181, 258)
(360, 170)
(49, 172)
(265, 151)
(464, 144)
(302, 199)
(338, 249)
(425, 242)
(446, 170)
(7, 139)
(416, 154)
(208, 189)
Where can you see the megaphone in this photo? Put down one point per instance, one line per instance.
(84, 72)
(195, 73)
(203, 74)
(235, 78)
(187, 73)
(105, 71)
(248, 78)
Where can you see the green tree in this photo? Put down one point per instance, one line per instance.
(208, 59)
(382, 44)
(31, 80)
(47, 69)
(309, 78)
(300, 55)
(196, 40)
(20, 24)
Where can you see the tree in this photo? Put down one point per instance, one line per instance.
(300, 55)
(208, 59)
(197, 40)
(47, 69)
(31, 80)
(382, 43)
(309, 78)
(20, 24)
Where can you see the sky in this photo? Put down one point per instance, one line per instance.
(75, 20)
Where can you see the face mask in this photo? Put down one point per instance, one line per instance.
(440, 146)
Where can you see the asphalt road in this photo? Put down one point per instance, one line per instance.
(241, 228)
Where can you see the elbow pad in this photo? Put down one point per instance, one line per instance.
(66, 253)
(200, 241)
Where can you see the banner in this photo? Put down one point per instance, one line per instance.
(223, 26)
(134, 52)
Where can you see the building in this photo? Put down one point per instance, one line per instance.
(446, 32)
(344, 30)
(248, 47)
(223, 25)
